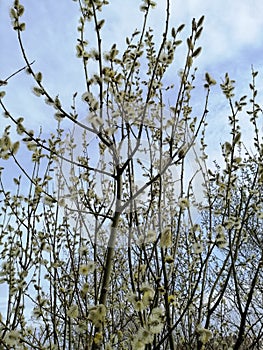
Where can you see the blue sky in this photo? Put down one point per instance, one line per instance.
(231, 41)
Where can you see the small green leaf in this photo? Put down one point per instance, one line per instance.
(20, 129)
(5, 142)
(198, 33)
(38, 91)
(15, 147)
(237, 138)
(38, 77)
(189, 43)
(200, 21)
(16, 181)
(2, 94)
(143, 8)
(13, 14)
(178, 42)
(22, 27)
(57, 102)
(16, 4)
(189, 61)
(79, 51)
(209, 79)
(180, 28)
(197, 52)
(20, 10)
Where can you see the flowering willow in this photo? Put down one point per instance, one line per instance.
(100, 243)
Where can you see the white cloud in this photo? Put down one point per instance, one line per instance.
(231, 42)
(230, 26)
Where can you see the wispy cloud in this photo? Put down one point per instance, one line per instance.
(231, 42)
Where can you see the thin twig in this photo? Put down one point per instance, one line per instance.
(4, 82)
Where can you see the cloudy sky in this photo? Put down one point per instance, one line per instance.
(231, 41)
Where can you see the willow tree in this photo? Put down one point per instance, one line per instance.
(100, 245)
